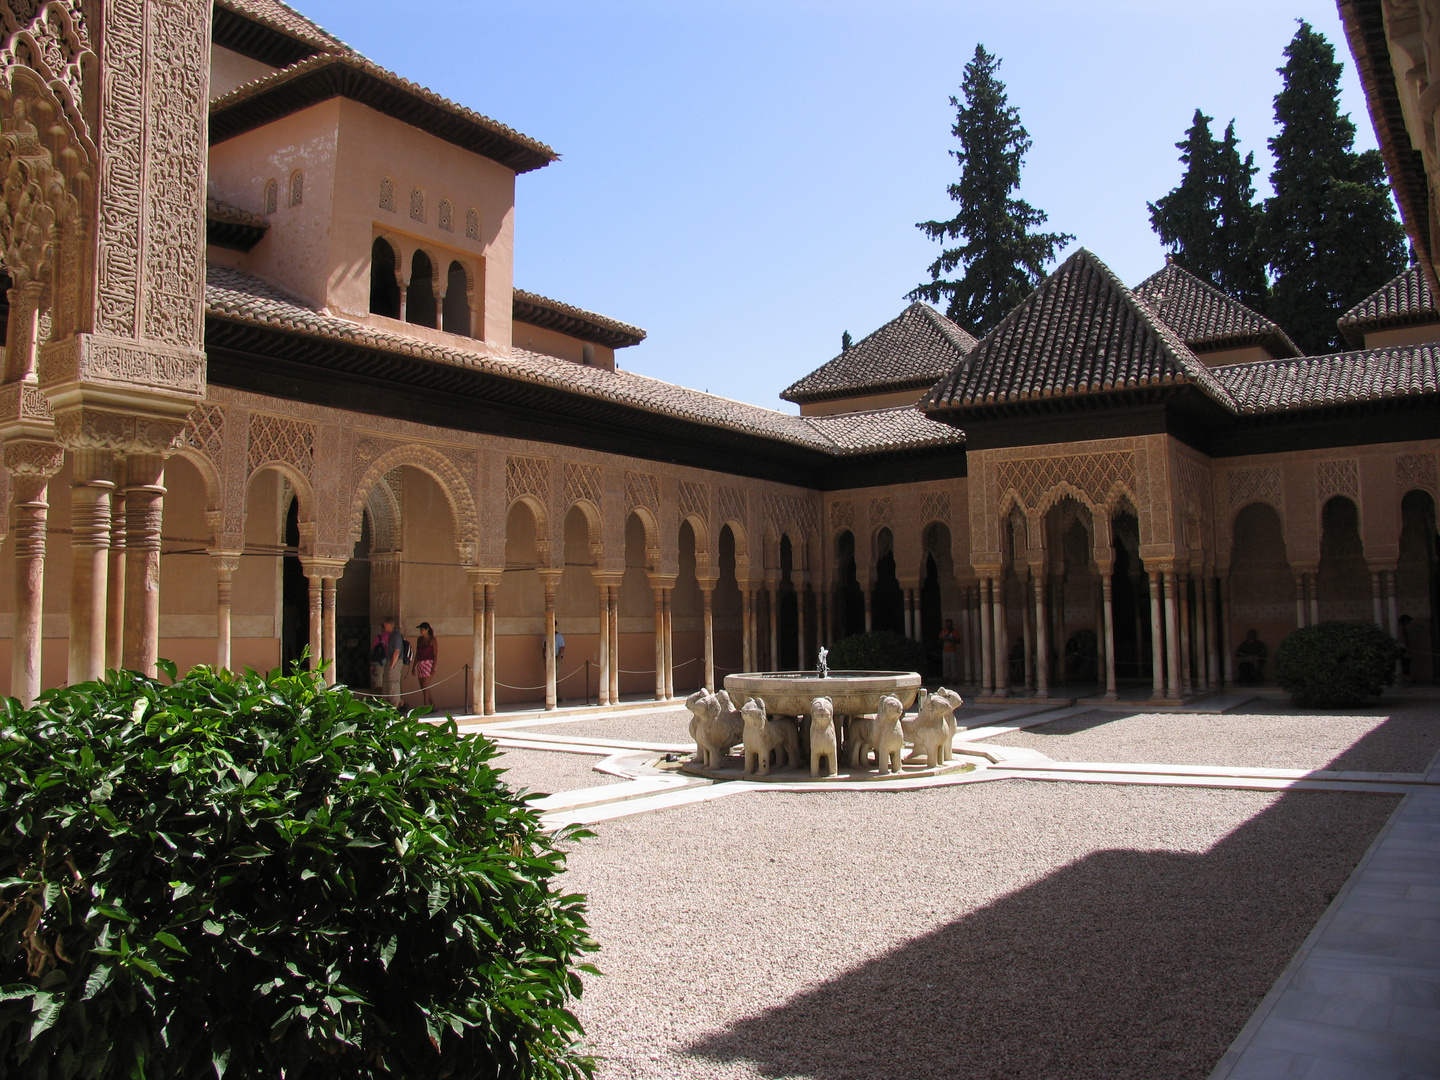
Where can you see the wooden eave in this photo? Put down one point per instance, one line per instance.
(321, 79)
(233, 235)
(234, 31)
(889, 387)
(573, 325)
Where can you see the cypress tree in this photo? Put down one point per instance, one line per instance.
(1210, 221)
(1003, 259)
(1330, 234)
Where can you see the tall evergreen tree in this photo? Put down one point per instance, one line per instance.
(1210, 221)
(1330, 234)
(1003, 259)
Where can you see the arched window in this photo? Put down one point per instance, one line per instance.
(445, 216)
(272, 196)
(297, 188)
(420, 297)
(387, 194)
(472, 223)
(384, 285)
(457, 300)
(587, 354)
(417, 205)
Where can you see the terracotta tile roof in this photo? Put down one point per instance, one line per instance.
(910, 351)
(282, 17)
(350, 75)
(234, 295)
(1207, 319)
(1312, 382)
(219, 210)
(1404, 300)
(1081, 332)
(231, 227)
(537, 310)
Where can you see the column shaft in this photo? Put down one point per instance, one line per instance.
(1187, 671)
(1002, 646)
(551, 698)
(1157, 636)
(144, 507)
(1222, 620)
(477, 646)
(1299, 600)
(603, 691)
(747, 631)
(614, 602)
(659, 643)
(327, 621)
(987, 647)
(224, 588)
(772, 605)
(1108, 619)
(1042, 639)
(706, 598)
(115, 596)
(666, 599)
(490, 702)
(90, 561)
(1172, 634)
(1314, 598)
(1377, 591)
(802, 660)
(31, 494)
(317, 620)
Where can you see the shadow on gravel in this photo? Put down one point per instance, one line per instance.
(1126, 964)
(1072, 725)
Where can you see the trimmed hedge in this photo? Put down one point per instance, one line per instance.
(264, 877)
(880, 650)
(1336, 664)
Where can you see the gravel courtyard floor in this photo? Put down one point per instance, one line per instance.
(1014, 929)
(1400, 738)
(669, 726)
(541, 771)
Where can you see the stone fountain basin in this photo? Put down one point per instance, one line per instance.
(854, 693)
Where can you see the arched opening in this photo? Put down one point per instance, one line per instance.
(849, 597)
(457, 301)
(887, 602)
(187, 575)
(637, 614)
(1130, 601)
(687, 625)
(1343, 581)
(1262, 586)
(384, 285)
(1074, 599)
(520, 611)
(1417, 585)
(789, 612)
(420, 297)
(725, 612)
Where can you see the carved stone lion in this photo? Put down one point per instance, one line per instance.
(764, 736)
(932, 732)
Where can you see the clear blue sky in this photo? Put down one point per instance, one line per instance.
(742, 177)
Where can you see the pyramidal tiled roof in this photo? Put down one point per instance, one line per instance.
(1207, 319)
(1081, 332)
(1404, 300)
(911, 351)
(284, 19)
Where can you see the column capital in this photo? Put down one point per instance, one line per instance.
(87, 427)
(662, 581)
(30, 457)
(227, 560)
(707, 585)
(608, 578)
(483, 576)
(549, 576)
(323, 568)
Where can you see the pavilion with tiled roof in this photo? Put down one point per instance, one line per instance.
(909, 353)
(1403, 301)
(1210, 322)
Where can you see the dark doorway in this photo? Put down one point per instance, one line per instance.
(1418, 584)
(420, 298)
(1129, 591)
(887, 603)
(457, 301)
(789, 614)
(930, 614)
(849, 597)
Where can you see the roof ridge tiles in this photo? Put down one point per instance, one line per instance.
(1404, 300)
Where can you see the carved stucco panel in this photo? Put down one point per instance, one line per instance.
(934, 506)
(282, 439)
(642, 489)
(1415, 471)
(1337, 478)
(1261, 483)
(527, 476)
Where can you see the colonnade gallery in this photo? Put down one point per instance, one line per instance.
(251, 413)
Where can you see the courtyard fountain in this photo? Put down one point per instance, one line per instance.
(822, 724)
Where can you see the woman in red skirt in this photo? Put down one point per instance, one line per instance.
(426, 653)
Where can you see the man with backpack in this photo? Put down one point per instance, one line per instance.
(395, 648)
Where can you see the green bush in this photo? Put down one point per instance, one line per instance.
(880, 650)
(1336, 664)
(266, 877)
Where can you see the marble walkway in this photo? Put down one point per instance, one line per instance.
(1360, 1000)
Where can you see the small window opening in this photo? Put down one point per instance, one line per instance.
(387, 194)
(272, 196)
(297, 188)
(417, 205)
(587, 354)
(420, 298)
(472, 224)
(384, 286)
(445, 216)
(457, 301)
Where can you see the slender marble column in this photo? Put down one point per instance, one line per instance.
(614, 592)
(144, 506)
(1392, 606)
(659, 643)
(551, 666)
(747, 630)
(115, 597)
(669, 644)
(90, 491)
(1107, 588)
(772, 604)
(31, 466)
(869, 616)
(1042, 640)
(1172, 634)
(225, 563)
(1207, 611)
(1187, 670)
(1314, 598)
(327, 621)
(317, 619)
(987, 647)
(1002, 648)
(1377, 591)
(1222, 618)
(801, 652)
(1027, 626)
(707, 595)
(603, 603)
(477, 644)
(822, 616)
(1299, 600)
(1157, 636)
(490, 702)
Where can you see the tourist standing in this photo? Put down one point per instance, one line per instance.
(394, 669)
(949, 657)
(426, 654)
